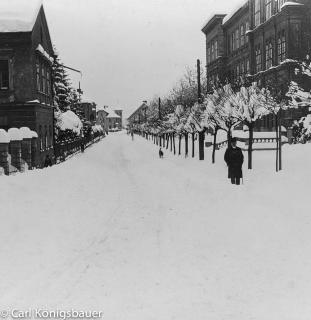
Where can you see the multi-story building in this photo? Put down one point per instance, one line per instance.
(26, 58)
(259, 41)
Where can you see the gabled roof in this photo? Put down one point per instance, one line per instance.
(18, 15)
(133, 114)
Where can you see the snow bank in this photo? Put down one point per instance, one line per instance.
(15, 134)
(4, 137)
(68, 121)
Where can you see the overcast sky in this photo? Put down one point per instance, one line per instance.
(130, 50)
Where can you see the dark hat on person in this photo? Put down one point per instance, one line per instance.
(234, 139)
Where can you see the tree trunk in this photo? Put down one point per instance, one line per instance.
(214, 145)
(193, 134)
(179, 144)
(201, 144)
(277, 143)
(250, 144)
(229, 136)
(171, 142)
(186, 145)
(174, 143)
(167, 140)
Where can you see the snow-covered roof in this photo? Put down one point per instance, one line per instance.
(290, 3)
(100, 108)
(87, 100)
(18, 15)
(113, 115)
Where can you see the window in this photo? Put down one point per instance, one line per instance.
(4, 75)
(268, 6)
(257, 15)
(51, 136)
(43, 78)
(208, 54)
(38, 73)
(281, 46)
(242, 68)
(258, 58)
(280, 3)
(48, 82)
(296, 34)
(269, 54)
(216, 49)
(247, 66)
(40, 137)
(237, 39)
(232, 42)
(246, 29)
(242, 32)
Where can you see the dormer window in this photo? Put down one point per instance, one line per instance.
(4, 75)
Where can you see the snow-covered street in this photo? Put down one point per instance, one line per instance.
(119, 230)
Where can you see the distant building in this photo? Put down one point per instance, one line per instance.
(87, 111)
(139, 115)
(109, 119)
(102, 118)
(26, 58)
(258, 40)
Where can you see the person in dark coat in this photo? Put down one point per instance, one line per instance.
(161, 153)
(47, 162)
(234, 159)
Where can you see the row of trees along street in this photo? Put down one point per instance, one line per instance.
(191, 110)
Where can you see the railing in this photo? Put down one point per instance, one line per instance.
(67, 148)
(264, 140)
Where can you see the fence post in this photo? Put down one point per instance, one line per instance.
(34, 149)
(4, 151)
(15, 148)
(26, 145)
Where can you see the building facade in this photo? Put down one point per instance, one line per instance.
(109, 119)
(259, 42)
(87, 111)
(26, 98)
(138, 116)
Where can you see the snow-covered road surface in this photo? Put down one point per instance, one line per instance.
(119, 230)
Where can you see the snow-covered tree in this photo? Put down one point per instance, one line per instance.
(61, 85)
(247, 101)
